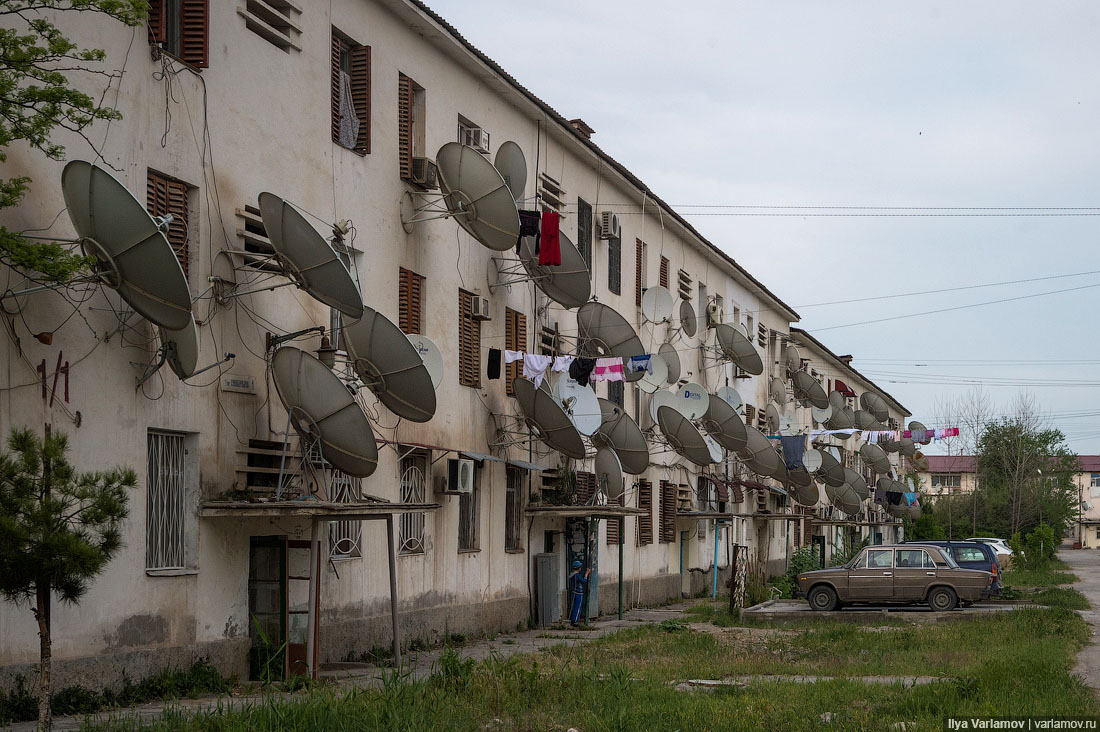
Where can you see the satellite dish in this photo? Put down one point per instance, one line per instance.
(812, 460)
(547, 419)
(663, 398)
(807, 389)
(837, 401)
(390, 366)
(780, 473)
(324, 412)
(580, 403)
(688, 321)
(692, 400)
(512, 167)
(684, 437)
(307, 258)
(430, 355)
(777, 390)
(771, 418)
(897, 511)
(831, 471)
(604, 332)
(622, 434)
(799, 477)
(181, 348)
(847, 500)
(916, 427)
(730, 396)
(668, 354)
(570, 283)
(875, 404)
(844, 419)
(914, 512)
(866, 421)
(758, 454)
(724, 425)
(738, 348)
(133, 256)
(477, 197)
(788, 421)
(657, 304)
(856, 482)
(821, 416)
(651, 382)
(793, 358)
(907, 447)
(609, 472)
(876, 457)
(806, 494)
(716, 453)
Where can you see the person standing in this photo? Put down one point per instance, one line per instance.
(577, 583)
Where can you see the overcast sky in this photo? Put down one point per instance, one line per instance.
(926, 104)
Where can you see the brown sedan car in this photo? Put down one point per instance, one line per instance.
(904, 573)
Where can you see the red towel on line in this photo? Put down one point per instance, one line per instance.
(550, 246)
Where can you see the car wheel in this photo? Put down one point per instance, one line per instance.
(941, 599)
(823, 598)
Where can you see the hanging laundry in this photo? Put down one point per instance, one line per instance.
(562, 363)
(581, 369)
(492, 369)
(550, 251)
(640, 363)
(534, 367)
(608, 369)
(513, 356)
(794, 448)
(880, 496)
(919, 435)
(529, 226)
(894, 498)
(911, 498)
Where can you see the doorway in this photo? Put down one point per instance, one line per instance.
(278, 607)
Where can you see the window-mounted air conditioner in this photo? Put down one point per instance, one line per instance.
(610, 227)
(425, 175)
(480, 307)
(460, 476)
(715, 314)
(475, 137)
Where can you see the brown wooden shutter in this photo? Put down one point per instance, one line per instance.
(410, 297)
(405, 128)
(613, 521)
(515, 339)
(156, 21)
(639, 253)
(585, 488)
(337, 48)
(668, 512)
(167, 197)
(360, 95)
(645, 521)
(195, 32)
(664, 273)
(469, 342)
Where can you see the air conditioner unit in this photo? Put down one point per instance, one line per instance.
(475, 137)
(609, 225)
(480, 306)
(715, 314)
(425, 174)
(460, 476)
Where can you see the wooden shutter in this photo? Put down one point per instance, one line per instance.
(405, 129)
(410, 297)
(195, 32)
(337, 49)
(584, 230)
(664, 273)
(639, 254)
(613, 522)
(614, 266)
(645, 521)
(167, 197)
(156, 21)
(585, 488)
(469, 342)
(360, 95)
(668, 512)
(515, 339)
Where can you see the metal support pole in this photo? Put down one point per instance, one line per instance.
(714, 591)
(314, 599)
(622, 525)
(390, 548)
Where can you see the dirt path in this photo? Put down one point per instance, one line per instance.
(1085, 563)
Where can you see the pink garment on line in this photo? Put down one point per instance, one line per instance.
(608, 369)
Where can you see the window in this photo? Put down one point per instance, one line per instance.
(336, 329)
(614, 266)
(613, 522)
(513, 510)
(946, 480)
(169, 197)
(668, 512)
(410, 123)
(645, 521)
(414, 468)
(639, 270)
(166, 492)
(469, 342)
(410, 301)
(350, 91)
(181, 28)
(276, 21)
(472, 135)
(880, 558)
(345, 535)
(969, 554)
(468, 516)
(615, 393)
(584, 231)
(914, 558)
(515, 339)
(1095, 480)
(548, 340)
(663, 275)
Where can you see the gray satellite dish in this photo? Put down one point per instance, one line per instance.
(662, 398)
(622, 434)
(866, 421)
(133, 256)
(780, 473)
(821, 416)
(724, 425)
(651, 382)
(512, 166)
(692, 401)
(856, 482)
(549, 421)
(477, 197)
(307, 258)
(875, 404)
(730, 396)
(807, 389)
(739, 348)
(324, 412)
(684, 437)
(837, 401)
(430, 355)
(793, 358)
(772, 418)
(788, 421)
(806, 494)
(667, 351)
(799, 477)
(907, 447)
(390, 366)
(181, 348)
(568, 284)
(758, 454)
(847, 500)
(898, 510)
(916, 427)
(688, 321)
(603, 332)
(777, 391)
(914, 512)
(657, 304)
(609, 472)
(580, 403)
(876, 457)
(831, 471)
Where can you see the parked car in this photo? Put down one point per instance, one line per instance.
(901, 573)
(973, 555)
(1000, 546)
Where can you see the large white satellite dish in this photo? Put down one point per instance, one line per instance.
(651, 382)
(758, 454)
(622, 434)
(716, 452)
(821, 416)
(477, 197)
(512, 166)
(181, 348)
(604, 332)
(609, 472)
(875, 404)
(730, 396)
(324, 412)
(549, 421)
(568, 284)
(390, 366)
(807, 389)
(580, 403)
(724, 425)
(430, 355)
(662, 398)
(133, 256)
(684, 437)
(668, 353)
(792, 357)
(876, 457)
(307, 258)
(788, 421)
(738, 348)
(657, 304)
(812, 460)
(692, 400)
(688, 321)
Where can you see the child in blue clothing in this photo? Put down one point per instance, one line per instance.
(576, 584)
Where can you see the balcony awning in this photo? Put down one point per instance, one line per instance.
(310, 509)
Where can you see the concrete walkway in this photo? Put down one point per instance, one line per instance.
(1085, 563)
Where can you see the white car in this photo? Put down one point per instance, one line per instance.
(1000, 546)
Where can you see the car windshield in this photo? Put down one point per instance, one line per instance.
(950, 560)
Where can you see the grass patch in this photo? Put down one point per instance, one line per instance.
(1063, 597)
(1053, 574)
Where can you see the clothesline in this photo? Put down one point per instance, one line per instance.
(580, 369)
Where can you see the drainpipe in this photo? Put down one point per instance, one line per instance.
(622, 522)
(314, 600)
(714, 590)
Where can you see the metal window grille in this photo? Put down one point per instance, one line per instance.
(411, 535)
(513, 505)
(615, 392)
(166, 490)
(614, 266)
(345, 536)
(468, 518)
(584, 231)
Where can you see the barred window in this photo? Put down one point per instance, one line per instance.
(345, 536)
(165, 511)
(584, 231)
(513, 510)
(468, 517)
(614, 266)
(615, 392)
(414, 468)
